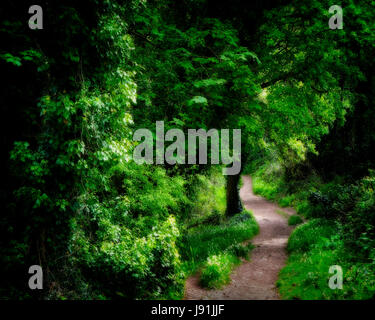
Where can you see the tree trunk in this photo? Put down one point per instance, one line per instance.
(234, 204)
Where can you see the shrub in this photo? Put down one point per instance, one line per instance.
(354, 206)
(286, 201)
(138, 267)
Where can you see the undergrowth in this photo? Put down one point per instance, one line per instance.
(314, 247)
(340, 232)
(294, 220)
(216, 249)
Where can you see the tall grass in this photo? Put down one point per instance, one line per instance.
(216, 248)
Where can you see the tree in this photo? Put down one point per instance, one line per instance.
(304, 76)
(196, 78)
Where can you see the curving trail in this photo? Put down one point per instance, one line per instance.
(254, 279)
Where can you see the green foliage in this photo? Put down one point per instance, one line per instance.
(354, 206)
(306, 236)
(208, 75)
(102, 226)
(208, 192)
(286, 201)
(85, 204)
(216, 270)
(144, 267)
(294, 220)
(240, 250)
(270, 182)
(204, 241)
(314, 247)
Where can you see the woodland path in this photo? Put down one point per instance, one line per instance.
(254, 279)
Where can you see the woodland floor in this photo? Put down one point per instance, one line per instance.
(254, 279)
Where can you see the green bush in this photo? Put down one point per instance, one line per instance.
(138, 267)
(286, 201)
(130, 239)
(354, 206)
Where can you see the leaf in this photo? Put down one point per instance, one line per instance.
(209, 82)
(178, 122)
(197, 100)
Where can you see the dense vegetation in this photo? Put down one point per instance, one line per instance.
(102, 226)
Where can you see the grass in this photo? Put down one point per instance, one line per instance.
(286, 201)
(216, 249)
(294, 220)
(314, 247)
(217, 269)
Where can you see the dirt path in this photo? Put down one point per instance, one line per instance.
(254, 279)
